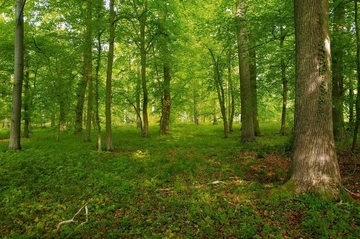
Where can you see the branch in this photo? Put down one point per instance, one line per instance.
(73, 218)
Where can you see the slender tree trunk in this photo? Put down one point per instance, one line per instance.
(166, 102)
(357, 104)
(337, 48)
(314, 165)
(109, 138)
(145, 116)
(138, 99)
(247, 121)
(14, 142)
(284, 82)
(231, 93)
(27, 101)
(195, 108)
(351, 103)
(97, 76)
(220, 93)
(88, 69)
(253, 85)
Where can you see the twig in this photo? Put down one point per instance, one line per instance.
(73, 218)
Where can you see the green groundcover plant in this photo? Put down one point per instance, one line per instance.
(189, 184)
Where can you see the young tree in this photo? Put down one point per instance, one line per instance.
(314, 166)
(18, 76)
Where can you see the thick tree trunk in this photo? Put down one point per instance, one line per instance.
(138, 99)
(14, 142)
(88, 69)
(108, 99)
(314, 165)
(247, 121)
(337, 48)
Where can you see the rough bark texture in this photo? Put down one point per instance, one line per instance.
(247, 122)
(314, 165)
(14, 142)
(337, 50)
(109, 138)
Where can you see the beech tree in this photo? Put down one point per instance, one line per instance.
(109, 138)
(18, 76)
(314, 166)
(247, 121)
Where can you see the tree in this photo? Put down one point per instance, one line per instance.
(244, 72)
(337, 50)
(109, 138)
(18, 76)
(314, 165)
(88, 68)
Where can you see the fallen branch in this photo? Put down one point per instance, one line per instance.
(73, 218)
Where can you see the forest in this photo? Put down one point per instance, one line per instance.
(179, 119)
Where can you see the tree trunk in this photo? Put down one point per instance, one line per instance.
(231, 94)
(14, 142)
(253, 85)
(247, 122)
(337, 50)
(138, 99)
(357, 104)
(27, 101)
(108, 98)
(145, 117)
(284, 82)
(97, 76)
(314, 165)
(166, 102)
(220, 93)
(88, 69)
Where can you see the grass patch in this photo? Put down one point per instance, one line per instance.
(189, 184)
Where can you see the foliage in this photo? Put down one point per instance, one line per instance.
(188, 184)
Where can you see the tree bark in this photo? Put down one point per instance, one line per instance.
(284, 82)
(14, 142)
(231, 93)
(247, 121)
(108, 98)
(253, 85)
(357, 103)
(88, 69)
(27, 101)
(220, 92)
(97, 76)
(314, 165)
(143, 53)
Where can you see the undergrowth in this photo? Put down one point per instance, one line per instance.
(189, 184)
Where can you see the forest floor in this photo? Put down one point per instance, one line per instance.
(189, 184)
